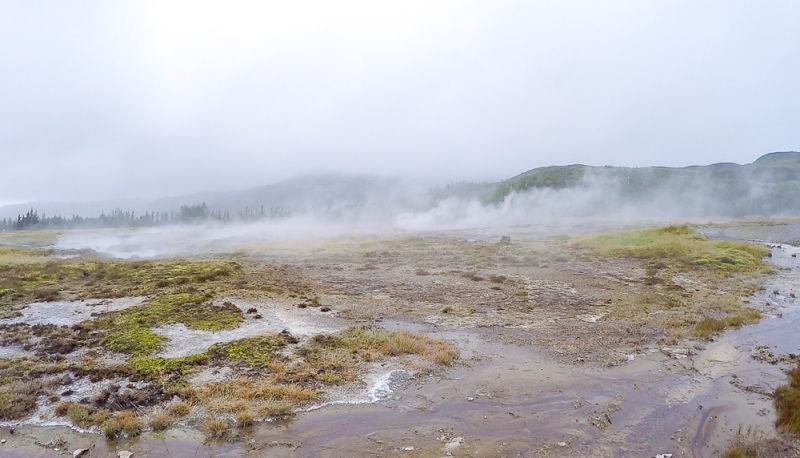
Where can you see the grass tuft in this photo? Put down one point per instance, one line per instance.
(245, 418)
(160, 420)
(254, 351)
(179, 409)
(18, 399)
(787, 403)
(125, 422)
(708, 327)
(215, 428)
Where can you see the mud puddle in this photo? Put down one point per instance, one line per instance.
(506, 400)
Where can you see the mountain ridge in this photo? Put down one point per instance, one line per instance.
(775, 174)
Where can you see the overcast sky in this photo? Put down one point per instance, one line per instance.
(145, 99)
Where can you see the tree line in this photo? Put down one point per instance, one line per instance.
(187, 214)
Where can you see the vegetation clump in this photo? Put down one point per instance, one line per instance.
(787, 403)
(18, 399)
(128, 331)
(179, 409)
(372, 343)
(30, 275)
(396, 343)
(253, 351)
(125, 422)
(216, 428)
(682, 246)
(165, 369)
(708, 327)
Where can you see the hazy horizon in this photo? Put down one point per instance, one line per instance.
(149, 99)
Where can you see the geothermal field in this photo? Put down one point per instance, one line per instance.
(335, 229)
(614, 338)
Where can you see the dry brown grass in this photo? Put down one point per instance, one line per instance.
(252, 398)
(215, 428)
(160, 420)
(787, 403)
(708, 327)
(228, 396)
(270, 409)
(179, 409)
(245, 417)
(125, 422)
(18, 399)
(746, 443)
(367, 340)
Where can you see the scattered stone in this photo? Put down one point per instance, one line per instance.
(763, 354)
(453, 444)
(124, 454)
(80, 452)
(677, 353)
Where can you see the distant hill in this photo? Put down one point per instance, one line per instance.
(328, 192)
(768, 186)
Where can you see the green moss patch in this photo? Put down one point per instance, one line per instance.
(134, 341)
(27, 276)
(254, 351)
(128, 331)
(159, 367)
(681, 246)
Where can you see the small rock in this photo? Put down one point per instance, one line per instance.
(505, 240)
(562, 444)
(453, 444)
(124, 454)
(80, 452)
(408, 448)
(470, 399)
(2, 441)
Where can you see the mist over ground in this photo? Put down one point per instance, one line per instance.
(543, 201)
(278, 120)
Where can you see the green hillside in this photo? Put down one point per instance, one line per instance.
(770, 185)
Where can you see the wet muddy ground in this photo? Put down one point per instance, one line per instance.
(541, 372)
